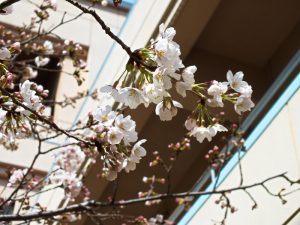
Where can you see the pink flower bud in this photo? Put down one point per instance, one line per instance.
(234, 126)
(16, 46)
(140, 194)
(148, 203)
(145, 179)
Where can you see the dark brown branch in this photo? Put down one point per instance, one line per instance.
(82, 207)
(7, 3)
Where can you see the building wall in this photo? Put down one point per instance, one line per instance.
(276, 151)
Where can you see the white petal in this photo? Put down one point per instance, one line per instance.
(177, 104)
(239, 76)
(229, 76)
(4, 53)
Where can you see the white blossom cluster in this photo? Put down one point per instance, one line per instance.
(69, 180)
(16, 177)
(240, 96)
(158, 219)
(14, 120)
(115, 134)
(201, 132)
(66, 163)
(31, 94)
(69, 158)
(156, 85)
(235, 82)
(42, 60)
(5, 53)
(12, 128)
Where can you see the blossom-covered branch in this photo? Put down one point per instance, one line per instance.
(151, 76)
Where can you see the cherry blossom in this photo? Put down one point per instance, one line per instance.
(236, 81)
(41, 61)
(2, 116)
(30, 73)
(4, 54)
(138, 151)
(247, 91)
(110, 174)
(187, 82)
(190, 123)
(243, 104)
(29, 96)
(214, 129)
(48, 47)
(167, 109)
(217, 89)
(71, 183)
(127, 126)
(129, 96)
(124, 123)
(154, 93)
(161, 80)
(105, 115)
(188, 74)
(69, 158)
(168, 53)
(16, 177)
(158, 219)
(115, 135)
(132, 97)
(200, 133)
(166, 33)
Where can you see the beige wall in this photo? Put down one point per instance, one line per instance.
(275, 152)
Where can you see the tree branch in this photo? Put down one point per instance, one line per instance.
(82, 207)
(43, 119)
(7, 3)
(132, 55)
